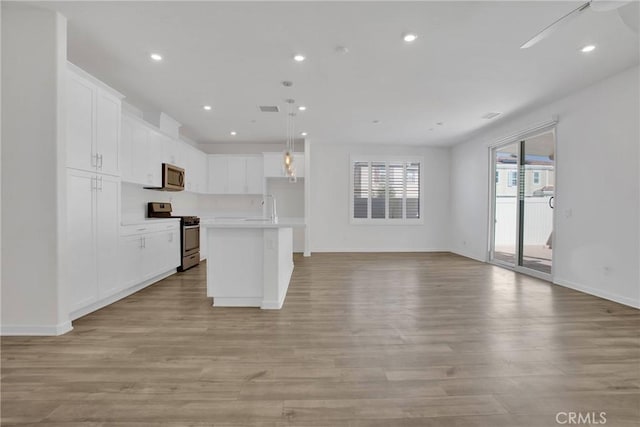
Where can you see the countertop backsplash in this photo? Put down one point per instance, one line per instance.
(135, 199)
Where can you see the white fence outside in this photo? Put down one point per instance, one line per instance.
(538, 221)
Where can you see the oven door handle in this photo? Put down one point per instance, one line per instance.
(187, 227)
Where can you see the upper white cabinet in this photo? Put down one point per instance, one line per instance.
(230, 174)
(274, 165)
(141, 153)
(145, 148)
(195, 169)
(93, 124)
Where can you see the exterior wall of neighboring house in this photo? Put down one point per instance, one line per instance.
(507, 173)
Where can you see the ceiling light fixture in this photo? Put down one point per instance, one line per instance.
(302, 108)
(156, 56)
(233, 133)
(588, 48)
(299, 58)
(409, 37)
(289, 149)
(207, 107)
(303, 133)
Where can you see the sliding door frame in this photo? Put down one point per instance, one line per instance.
(519, 139)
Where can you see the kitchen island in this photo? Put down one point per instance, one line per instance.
(249, 261)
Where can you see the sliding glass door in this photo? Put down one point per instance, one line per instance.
(523, 200)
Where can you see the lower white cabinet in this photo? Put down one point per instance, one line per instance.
(148, 251)
(93, 222)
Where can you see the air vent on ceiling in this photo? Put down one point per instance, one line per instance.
(491, 115)
(269, 108)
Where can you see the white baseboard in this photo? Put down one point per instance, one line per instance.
(237, 302)
(468, 255)
(36, 330)
(118, 296)
(369, 249)
(598, 293)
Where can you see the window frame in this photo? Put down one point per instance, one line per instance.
(512, 174)
(534, 175)
(387, 160)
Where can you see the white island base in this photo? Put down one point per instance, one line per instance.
(249, 266)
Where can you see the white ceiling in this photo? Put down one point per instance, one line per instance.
(234, 55)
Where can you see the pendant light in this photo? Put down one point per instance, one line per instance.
(289, 166)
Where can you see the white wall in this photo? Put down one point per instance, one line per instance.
(290, 197)
(330, 227)
(248, 148)
(135, 198)
(33, 71)
(597, 246)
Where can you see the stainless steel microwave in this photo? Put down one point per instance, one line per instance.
(172, 178)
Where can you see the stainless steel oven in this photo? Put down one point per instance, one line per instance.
(190, 243)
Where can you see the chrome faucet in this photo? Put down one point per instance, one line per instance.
(274, 208)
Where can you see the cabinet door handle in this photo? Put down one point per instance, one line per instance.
(94, 183)
(100, 183)
(101, 160)
(144, 242)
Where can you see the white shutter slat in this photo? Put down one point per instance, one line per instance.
(396, 190)
(413, 191)
(361, 189)
(378, 190)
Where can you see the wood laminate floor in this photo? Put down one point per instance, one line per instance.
(363, 339)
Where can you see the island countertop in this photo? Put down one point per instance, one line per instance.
(249, 222)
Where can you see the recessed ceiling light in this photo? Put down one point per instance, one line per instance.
(156, 56)
(302, 108)
(409, 37)
(588, 48)
(440, 123)
(299, 58)
(375, 122)
(303, 133)
(234, 133)
(207, 107)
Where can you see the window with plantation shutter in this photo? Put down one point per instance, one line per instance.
(386, 191)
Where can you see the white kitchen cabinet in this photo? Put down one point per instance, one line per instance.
(93, 216)
(217, 175)
(107, 233)
(145, 151)
(93, 124)
(81, 239)
(175, 152)
(108, 116)
(195, 169)
(255, 180)
(235, 174)
(148, 251)
(130, 270)
(274, 165)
